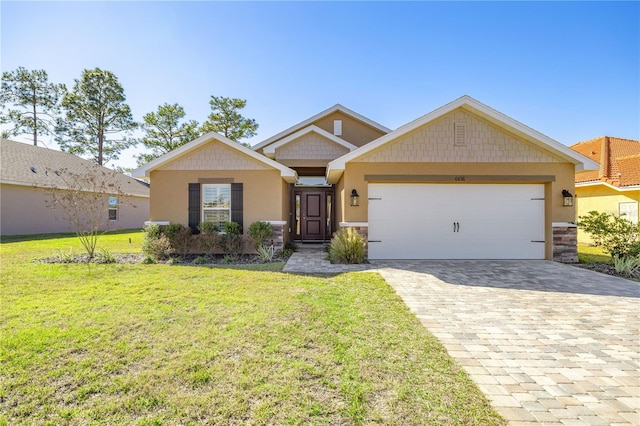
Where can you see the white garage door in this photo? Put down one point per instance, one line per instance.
(456, 221)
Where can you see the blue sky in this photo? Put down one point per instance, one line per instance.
(570, 70)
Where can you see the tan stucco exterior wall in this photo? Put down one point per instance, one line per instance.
(601, 198)
(311, 146)
(23, 211)
(263, 193)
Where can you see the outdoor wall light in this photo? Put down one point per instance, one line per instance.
(355, 198)
(567, 198)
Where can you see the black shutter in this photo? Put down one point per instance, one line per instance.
(194, 206)
(236, 204)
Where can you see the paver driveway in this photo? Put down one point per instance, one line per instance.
(547, 343)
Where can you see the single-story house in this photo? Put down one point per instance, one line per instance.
(614, 187)
(461, 182)
(28, 172)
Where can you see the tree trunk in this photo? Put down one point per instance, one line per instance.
(100, 142)
(35, 120)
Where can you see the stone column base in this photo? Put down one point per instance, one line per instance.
(565, 242)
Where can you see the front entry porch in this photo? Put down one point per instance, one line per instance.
(312, 213)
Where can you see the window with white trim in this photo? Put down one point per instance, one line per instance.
(216, 203)
(113, 208)
(628, 211)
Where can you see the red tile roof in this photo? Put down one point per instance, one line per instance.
(619, 161)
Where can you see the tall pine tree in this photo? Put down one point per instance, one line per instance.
(29, 102)
(165, 131)
(226, 120)
(97, 119)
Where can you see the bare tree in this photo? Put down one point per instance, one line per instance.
(83, 197)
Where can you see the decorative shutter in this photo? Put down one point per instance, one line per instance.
(194, 207)
(236, 204)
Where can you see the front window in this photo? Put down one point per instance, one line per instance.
(113, 208)
(216, 204)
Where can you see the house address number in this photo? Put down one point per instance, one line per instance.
(460, 178)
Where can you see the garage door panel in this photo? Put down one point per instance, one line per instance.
(439, 221)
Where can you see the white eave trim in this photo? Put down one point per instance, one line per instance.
(336, 167)
(326, 112)
(287, 174)
(270, 151)
(617, 188)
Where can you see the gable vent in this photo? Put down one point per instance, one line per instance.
(460, 135)
(337, 127)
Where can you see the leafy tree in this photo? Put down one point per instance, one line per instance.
(32, 102)
(165, 132)
(616, 235)
(82, 198)
(96, 116)
(226, 120)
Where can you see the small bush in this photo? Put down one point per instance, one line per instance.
(152, 231)
(265, 253)
(201, 260)
(231, 241)
(347, 246)
(616, 235)
(286, 253)
(259, 232)
(64, 256)
(148, 260)
(157, 248)
(107, 257)
(628, 266)
(179, 237)
(209, 238)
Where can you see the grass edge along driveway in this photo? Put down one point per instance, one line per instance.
(161, 344)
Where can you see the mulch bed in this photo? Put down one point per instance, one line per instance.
(139, 257)
(603, 268)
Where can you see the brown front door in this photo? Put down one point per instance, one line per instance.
(313, 213)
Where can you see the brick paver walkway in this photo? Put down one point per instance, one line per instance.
(547, 343)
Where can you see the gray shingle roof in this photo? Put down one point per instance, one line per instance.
(24, 164)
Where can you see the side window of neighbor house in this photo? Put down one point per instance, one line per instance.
(216, 203)
(628, 211)
(113, 208)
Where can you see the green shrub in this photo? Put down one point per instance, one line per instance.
(157, 248)
(179, 237)
(628, 266)
(259, 232)
(231, 240)
(209, 238)
(347, 246)
(107, 257)
(286, 253)
(265, 253)
(152, 231)
(617, 236)
(64, 256)
(201, 260)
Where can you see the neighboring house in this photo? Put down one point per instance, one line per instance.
(26, 171)
(615, 186)
(462, 182)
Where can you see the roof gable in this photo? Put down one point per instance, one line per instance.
(329, 111)
(466, 103)
(481, 142)
(270, 151)
(25, 164)
(287, 174)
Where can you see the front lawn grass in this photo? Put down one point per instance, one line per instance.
(161, 344)
(592, 254)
